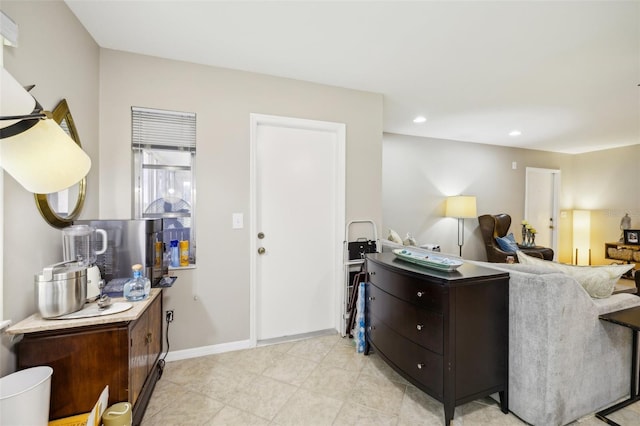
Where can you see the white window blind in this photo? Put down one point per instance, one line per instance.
(162, 129)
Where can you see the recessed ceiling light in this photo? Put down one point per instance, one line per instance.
(515, 133)
(420, 119)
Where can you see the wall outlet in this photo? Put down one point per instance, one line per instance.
(169, 316)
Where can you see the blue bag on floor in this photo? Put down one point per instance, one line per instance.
(360, 323)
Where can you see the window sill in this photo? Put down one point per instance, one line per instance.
(182, 268)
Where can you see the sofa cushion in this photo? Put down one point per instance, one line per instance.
(598, 281)
(507, 243)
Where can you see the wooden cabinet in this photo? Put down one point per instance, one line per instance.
(445, 332)
(618, 251)
(85, 359)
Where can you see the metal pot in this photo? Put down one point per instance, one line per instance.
(61, 289)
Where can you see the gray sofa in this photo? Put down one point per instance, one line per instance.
(564, 363)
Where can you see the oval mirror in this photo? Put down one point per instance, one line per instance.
(61, 208)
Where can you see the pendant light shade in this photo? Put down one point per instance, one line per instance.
(34, 149)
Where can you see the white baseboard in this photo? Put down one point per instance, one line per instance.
(208, 350)
(241, 344)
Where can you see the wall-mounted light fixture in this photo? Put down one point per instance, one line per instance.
(34, 149)
(461, 207)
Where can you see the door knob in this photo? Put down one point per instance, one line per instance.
(260, 235)
(261, 250)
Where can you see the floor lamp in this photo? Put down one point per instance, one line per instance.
(582, 236)
(461, 207)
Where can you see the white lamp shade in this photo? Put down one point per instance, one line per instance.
(461, 206)
(43, 159)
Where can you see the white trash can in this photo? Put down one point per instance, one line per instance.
(24, 397)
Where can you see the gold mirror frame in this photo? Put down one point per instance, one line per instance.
(62, 115)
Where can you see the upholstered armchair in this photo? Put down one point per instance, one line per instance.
(492, 226)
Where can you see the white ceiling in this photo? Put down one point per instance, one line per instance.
(564, 73)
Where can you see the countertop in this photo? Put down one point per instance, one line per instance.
(35, 323)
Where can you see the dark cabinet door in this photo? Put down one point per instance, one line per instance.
(146, 344)
(83, 363)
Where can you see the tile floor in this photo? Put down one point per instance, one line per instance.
(316, 381)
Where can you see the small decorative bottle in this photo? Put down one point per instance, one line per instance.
(138, 287)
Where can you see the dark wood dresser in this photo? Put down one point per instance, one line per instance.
(445, 332)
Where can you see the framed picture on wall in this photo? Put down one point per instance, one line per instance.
(632, 236)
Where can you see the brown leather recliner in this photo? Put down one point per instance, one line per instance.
(492, 226)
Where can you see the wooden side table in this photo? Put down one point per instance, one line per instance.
(629, 318)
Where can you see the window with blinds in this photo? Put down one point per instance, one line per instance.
(164, 151)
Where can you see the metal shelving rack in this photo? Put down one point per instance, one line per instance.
(353, 266)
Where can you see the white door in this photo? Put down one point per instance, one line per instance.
(541, 205)
(297, 225)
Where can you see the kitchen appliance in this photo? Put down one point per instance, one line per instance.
(61, 289)
(80, 244)
(129, 242)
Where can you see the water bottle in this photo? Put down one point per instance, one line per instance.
(138, 287)
(175, 254)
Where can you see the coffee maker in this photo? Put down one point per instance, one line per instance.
(79, 244)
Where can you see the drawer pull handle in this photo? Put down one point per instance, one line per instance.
(420, 365)
(372, 273)
(372, 298)
(420, 294)
(419, 327)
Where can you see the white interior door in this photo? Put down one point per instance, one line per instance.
(298, 177)
(541, 205)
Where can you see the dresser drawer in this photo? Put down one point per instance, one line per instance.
(415, 361)
(419, 325)
(405, 287)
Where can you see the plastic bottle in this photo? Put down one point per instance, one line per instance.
(158, 254)
(175, 254)
(138, 287)
(184, 253)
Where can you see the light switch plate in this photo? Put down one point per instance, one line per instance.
(237, 221)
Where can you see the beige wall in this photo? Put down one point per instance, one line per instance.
(607, 184)
(57, 55)
(211, 303)
(418, 174)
